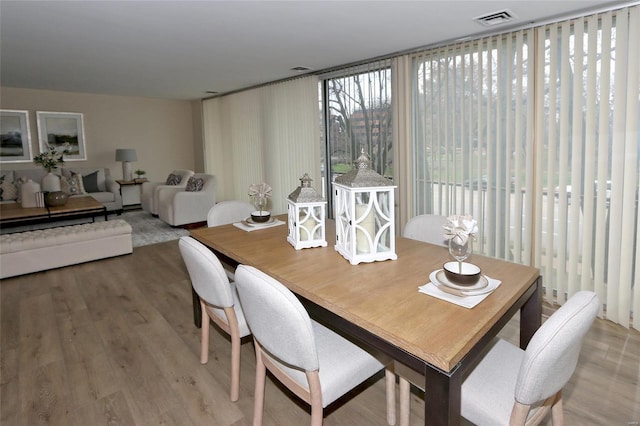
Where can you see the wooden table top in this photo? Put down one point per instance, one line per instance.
(78, 204)
(14, 212)
(380, 297)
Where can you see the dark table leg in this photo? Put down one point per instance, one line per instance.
(197, 310)
(442, 397)
(531, 315)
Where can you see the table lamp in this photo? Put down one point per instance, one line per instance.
(126, 156)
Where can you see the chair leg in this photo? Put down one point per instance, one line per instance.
(235, 353)
(390, 378)
(557, 413)
(258, 401)
(405, 401)
(315, 396)
(519, 413)
(204, 339)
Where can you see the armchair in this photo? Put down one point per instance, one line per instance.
(150, 190)
(189, 204)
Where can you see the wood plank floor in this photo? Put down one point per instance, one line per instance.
(112, 342)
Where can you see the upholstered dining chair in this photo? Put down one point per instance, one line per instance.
(315, 363)
(229, 211)
(226, 212)
(427, 228)
(511, 386)
(218, 301)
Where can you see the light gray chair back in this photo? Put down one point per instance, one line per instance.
(427, 228)
(208, 277)
(267, 302)
(552, 354)
(226, 212)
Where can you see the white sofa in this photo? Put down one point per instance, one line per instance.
(33, 251)
(150, 191)
(180, 206)
(108, 190)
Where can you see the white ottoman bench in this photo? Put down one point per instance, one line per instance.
(33, 251)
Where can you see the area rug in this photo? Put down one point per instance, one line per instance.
(150, 230)
(146, 229)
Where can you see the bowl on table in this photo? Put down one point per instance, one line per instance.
(468, 274)
(260, 216)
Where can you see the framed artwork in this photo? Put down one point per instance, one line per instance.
(62, 130)
(15, 136)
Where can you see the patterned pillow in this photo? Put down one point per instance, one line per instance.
(195, 184)
(8, 191)
(69, 184)
(77, 177)
(173, 179)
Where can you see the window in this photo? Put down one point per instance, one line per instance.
(535, 133)
(357, 116)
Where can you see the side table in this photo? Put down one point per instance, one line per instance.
(130, 192)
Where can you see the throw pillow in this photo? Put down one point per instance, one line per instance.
(77, 177)
(8, 191)
(195, 184)
(69, 184)
(173, 179)
(90, 182)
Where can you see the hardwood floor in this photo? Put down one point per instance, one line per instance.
(113, 342)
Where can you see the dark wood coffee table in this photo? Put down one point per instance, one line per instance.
(13, 214)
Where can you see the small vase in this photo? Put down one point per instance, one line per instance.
(28, 193)
(50, 183)
(56, 198)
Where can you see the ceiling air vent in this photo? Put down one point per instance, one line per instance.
(495, 18)
(300, 69)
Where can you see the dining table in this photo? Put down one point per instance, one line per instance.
(378, 303)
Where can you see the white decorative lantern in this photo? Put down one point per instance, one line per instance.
(364, 209)
(306, 216)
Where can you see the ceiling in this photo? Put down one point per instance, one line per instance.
(182, 49)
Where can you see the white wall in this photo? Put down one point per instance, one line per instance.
(163, 132)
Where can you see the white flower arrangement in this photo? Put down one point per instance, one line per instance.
(460, 228)
(260, 192)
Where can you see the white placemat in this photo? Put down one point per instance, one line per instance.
(250, 228)
(466, 301)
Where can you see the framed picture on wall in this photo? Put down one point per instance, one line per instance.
(62, 130)
(15, 136)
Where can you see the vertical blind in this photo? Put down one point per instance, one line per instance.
(473, 140)
(587, 148)
(267, 134)
(535, 133)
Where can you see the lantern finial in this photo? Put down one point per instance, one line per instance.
(362, 162)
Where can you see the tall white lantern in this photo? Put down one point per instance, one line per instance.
(364, 210)
(306, 212)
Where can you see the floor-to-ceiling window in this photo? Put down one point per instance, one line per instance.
(535, 133)
(357, 116)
